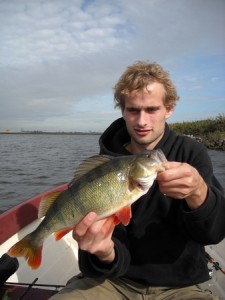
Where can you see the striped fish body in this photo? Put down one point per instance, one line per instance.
(104, 185)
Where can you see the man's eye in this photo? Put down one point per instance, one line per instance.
(152, 109)
(133, 110)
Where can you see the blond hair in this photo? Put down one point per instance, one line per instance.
(138, 76)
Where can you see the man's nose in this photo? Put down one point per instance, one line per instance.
(142, 119)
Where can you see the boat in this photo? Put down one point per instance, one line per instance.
(60, 259)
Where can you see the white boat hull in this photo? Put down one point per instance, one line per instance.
(59, 260)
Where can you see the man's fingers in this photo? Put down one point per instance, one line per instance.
(104, 226)
(82, 227)
(109, 225)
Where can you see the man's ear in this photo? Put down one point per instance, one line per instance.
(169, 113)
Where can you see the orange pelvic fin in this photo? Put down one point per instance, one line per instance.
(26, 249)
(59, 234)
(123, 216)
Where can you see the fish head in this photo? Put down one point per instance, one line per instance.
(144, 168)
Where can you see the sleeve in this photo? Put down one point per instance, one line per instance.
(206, 225)
(90, 266)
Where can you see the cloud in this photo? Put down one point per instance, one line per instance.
(52, 30)
(61, 58)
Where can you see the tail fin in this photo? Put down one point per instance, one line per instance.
(30, 251)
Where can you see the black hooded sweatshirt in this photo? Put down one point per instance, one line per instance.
(164, 243)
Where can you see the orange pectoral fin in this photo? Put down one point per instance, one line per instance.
(124, 215)
(59, 234)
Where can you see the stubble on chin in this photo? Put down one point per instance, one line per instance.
(146, 143)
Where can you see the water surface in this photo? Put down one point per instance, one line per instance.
(32, 163)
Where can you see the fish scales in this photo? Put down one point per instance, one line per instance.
(105, 186)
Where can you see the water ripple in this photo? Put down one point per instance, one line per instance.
(31, 164)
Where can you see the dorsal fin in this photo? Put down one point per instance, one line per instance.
(46, 203)
(89, 164)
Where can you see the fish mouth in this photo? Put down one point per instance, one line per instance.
(141, 187)
(146, 182)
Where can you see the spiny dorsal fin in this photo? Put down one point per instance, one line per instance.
(46, 203)
(89, 164)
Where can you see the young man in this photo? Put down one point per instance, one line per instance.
(160, 254)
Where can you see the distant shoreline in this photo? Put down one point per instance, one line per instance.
(210, 132)
(49, 133)
(212, 145)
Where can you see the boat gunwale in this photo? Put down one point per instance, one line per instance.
(19, 216)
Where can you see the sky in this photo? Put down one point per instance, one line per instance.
(59, 59)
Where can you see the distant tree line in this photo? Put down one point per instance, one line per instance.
(211, 132)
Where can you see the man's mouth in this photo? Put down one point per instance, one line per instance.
(142, 132)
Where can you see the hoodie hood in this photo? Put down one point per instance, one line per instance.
(114, 138)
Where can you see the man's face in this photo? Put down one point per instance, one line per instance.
(145, 115)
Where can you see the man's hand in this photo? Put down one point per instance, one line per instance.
(95, 237)
(182, 181)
